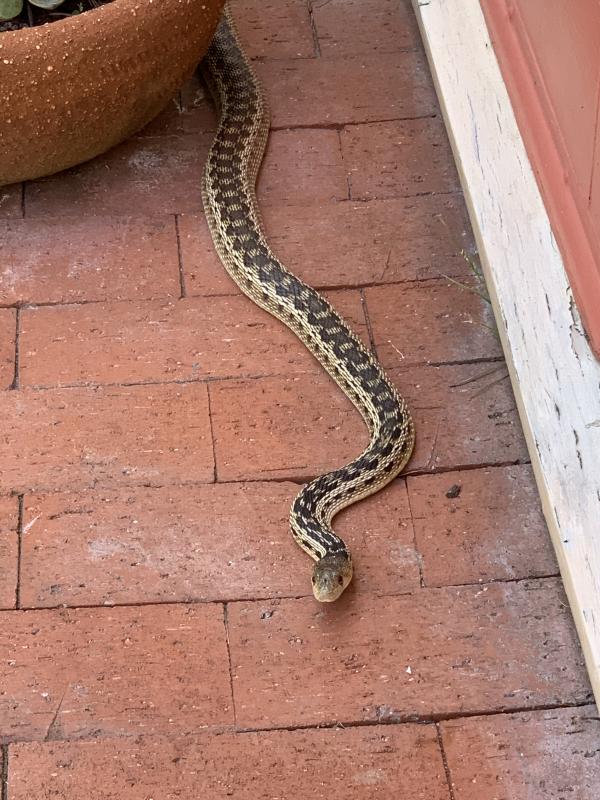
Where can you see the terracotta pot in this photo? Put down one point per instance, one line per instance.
(73, 89)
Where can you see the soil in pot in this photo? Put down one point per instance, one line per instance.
(32, 15)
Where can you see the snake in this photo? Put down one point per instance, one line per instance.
(234, 220)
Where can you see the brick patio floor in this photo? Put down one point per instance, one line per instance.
(159, 636)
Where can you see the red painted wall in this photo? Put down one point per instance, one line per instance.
(549, 54)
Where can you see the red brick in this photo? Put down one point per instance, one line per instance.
(338, 91)
(169, 122)
(540, 754)
(94, 258)
(377, 242)
(400, 158)
(8, 330)
(274, 28)
(378, 762)
(463, 416)
(218, 542)
(345, 243)
(198, 114)
(302, 167)
(148, 176)
(389, 659)
(75, 438)
(354, 27)
(186, 340)
(84, 672)
(282, 427)
(10, 201)
(493, 530)
(204, 274)
(9, 515)
(297, 426)
(435, 321)
(162, 175)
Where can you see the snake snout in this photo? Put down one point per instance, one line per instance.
(330, 577)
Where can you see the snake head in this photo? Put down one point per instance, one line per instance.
(331, 575)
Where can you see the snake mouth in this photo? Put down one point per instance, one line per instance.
(331, 575)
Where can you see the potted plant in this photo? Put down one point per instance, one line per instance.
(99, 72)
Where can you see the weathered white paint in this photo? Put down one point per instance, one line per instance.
(555, 377)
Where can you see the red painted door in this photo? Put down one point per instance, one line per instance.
(549, 53)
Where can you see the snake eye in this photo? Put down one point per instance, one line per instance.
(340, 580)
(313, 579)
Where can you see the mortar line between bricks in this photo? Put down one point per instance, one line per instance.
(340, 126)
(343, 164)
(300, 126)
(17, 361)
(422, 719)
(445, 761)
(408, 473)
(295, 479)
(365, 310)
(298, 59)
(333, 58)
(182, 286)
(408, 282)
(4, 785)
(252, 377)
(212, 435)
(417, 591)
(411, 195)
(20, 515)
(417, 473)
(492, 581)
(415, 719)
(228, 643)
(414, 538)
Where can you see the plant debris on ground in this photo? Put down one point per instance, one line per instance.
(31, 14)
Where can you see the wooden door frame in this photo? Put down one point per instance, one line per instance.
(555, 376)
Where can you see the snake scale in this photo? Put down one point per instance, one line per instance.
(228, 191)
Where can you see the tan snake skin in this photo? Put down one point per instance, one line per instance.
(228, 192)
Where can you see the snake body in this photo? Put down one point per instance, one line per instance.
(233, 216)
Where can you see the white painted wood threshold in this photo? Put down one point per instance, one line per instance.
(555, 377)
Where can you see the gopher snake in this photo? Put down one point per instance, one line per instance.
(234, 220)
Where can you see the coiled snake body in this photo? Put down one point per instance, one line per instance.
(234, 220)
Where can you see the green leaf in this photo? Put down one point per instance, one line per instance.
(9, 9)
(47, 4)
